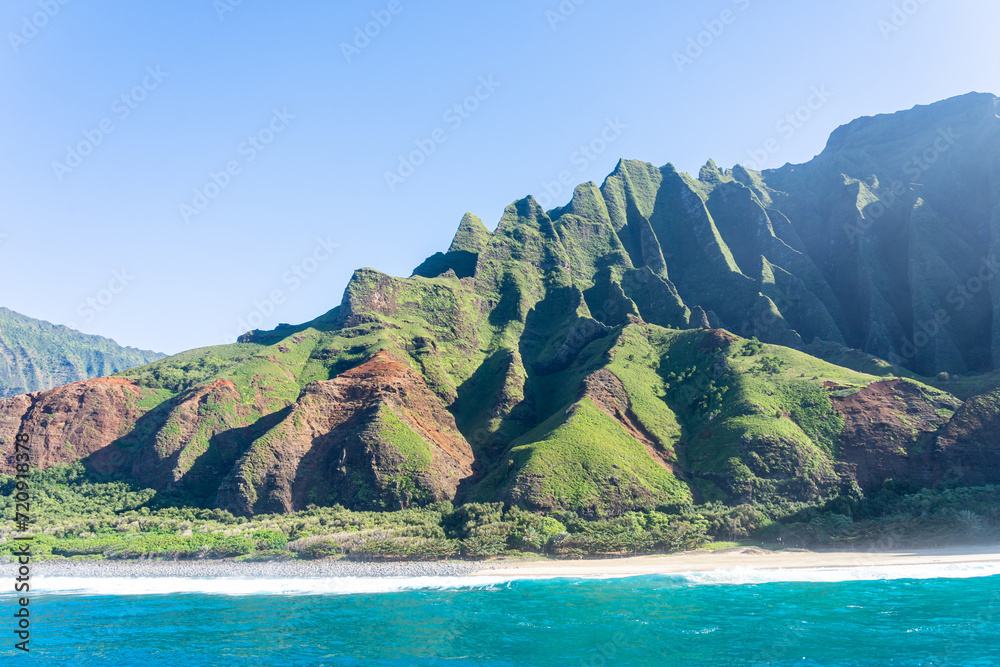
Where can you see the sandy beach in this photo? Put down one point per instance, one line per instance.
(223, 568)
(740, 557)
(743, 558)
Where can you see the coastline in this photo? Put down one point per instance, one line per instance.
(736, 558)
(223, 568)
(748, 558)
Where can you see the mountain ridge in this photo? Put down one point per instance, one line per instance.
(36, 355)
(654, 341)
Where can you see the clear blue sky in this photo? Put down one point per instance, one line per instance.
(555, 80)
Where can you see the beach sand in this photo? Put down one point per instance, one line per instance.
(739, 557)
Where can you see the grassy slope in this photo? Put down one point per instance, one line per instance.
(578, 458)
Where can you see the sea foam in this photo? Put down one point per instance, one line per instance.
(819, 575)
(247, 586)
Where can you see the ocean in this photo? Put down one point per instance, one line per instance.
(902, 615)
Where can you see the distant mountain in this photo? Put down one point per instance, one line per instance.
(36, 355)
(738, 336)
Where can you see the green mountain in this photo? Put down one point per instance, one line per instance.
(741, 336)
(36, 355)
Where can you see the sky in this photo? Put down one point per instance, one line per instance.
(174, 174)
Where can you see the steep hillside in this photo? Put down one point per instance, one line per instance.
(656, 341)
(36, 355)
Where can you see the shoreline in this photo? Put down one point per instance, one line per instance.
(744, 558)
(220, 569)
(735, 558)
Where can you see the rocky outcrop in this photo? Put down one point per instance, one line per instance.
(374, 437)
(969, 446)
(71, 422)
(889, 433)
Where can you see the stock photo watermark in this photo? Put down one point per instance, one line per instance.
(562, 13)
(223, 7)
(901, 14)
(248, 151)
(714, 28)
(915, 167)
(454, 116)
(958, 298)
(364, 34)
(32, 24)
(93, 305)
(788, 125)
(607, 652)
(122, 107)
(585, 155)
(292, 279)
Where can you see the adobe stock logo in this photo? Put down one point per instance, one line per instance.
(102, 299)
(363, 35)
(223, 7)
(705, 39)
(788, 125)
(30, 25)
(914, 167)
(901, 15)
(585, 155)
(292, 279)
(122, 106)
(455, 116)
(562, 13)
(249, 150)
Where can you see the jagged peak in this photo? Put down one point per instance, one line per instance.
(710, 173)
(587, 202)
(525, 210)
(627, 168)
(472, 235)
(362, 280)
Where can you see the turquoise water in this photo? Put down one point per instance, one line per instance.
(741, 618)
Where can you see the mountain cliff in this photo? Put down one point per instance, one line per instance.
(36, 355)
(659, 339)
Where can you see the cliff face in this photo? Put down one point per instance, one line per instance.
(71, 422)
(596, 356)
(36, 355)
(970, 441)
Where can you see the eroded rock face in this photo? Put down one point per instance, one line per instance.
(608, 393)
(889, 433)
(969, 445)
(69, 422)
(185, 443)
(374, 437)
(193, 440)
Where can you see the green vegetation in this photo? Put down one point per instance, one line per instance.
(37, 355)
(585, 362)
(581, 459)
(80, 519)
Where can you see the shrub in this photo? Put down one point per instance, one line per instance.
(466, 518)
(269, 540)
(531, 532)
(236, 545)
